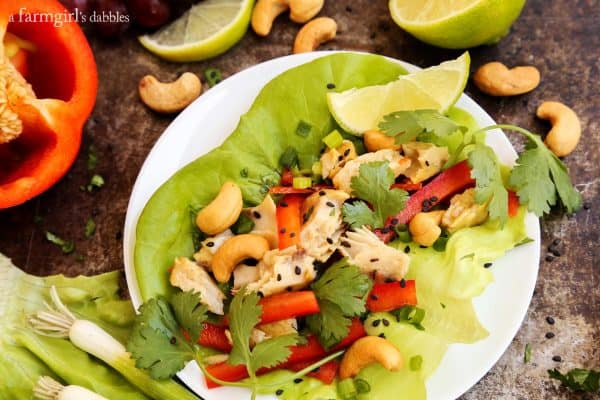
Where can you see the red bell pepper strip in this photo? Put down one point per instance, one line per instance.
(287, 305)
(311, 350)
(447, 183)
(289, 190)
(287, 178)
(408, 186)
(289, 220)
(325, 373)
(393, 295)
(213, 336)
(63, 75)
(513, 204)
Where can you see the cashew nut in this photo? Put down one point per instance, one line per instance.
(236, 250)
(496, 79)
(425, 227)
(265, 13)
(376, 140)
(169, 97)
(566, 129)
(317, 31)
(302, 11)
(223, 211)
(368, 350)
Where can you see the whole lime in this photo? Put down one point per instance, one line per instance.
(456, 24)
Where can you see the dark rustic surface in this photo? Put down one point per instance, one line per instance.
(561, 38)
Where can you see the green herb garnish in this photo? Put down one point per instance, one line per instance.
(411, 315)
(97, 181)
(406, 126)
(303, 129)
(244, 224)
(415, 363)
(90, 227)
(289, 158)
(333, 140)
(65, 245)
(485, 169)
(527, 353)
(578, 379)
(213, 76)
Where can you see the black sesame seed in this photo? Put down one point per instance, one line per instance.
(256, 214)
(423, 247)
(374, 260)
(314, 371)
(173, 340)
(550, 320)
(210, 244)
(322, 193)
(556, 252)
(427, 163)
(394, 221)
(586, 206)
(557, 358)
(293, 234)
(374, 297)
(283, 204)
(289, 288)
(330, 240)
(251, 262)
(382, 335)
(297, 270)
(330, 204)
(330, 86)
(389, 280)
(433, 199)
(279, 392)
(346, 244)
(402, 283)
(407, 249)
(346, 152)
(549, 335)
(349, 8)
(385, 230)
(340, 158)
(487, 265)
(282, 230)
(375, 323)
(385, 322)
(279, 277)
(556, 242)
(297, 380)
(549, 258)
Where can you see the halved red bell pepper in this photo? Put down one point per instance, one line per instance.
(289, 220)
(325, 373)
(62, 73)
(392, 295)
(310, 350)
(287, 305)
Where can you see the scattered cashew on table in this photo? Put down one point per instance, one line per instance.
(566, 128)
(169, 97)
(496, 79)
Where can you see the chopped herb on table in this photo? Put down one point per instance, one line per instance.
(65, 245)
(213, 76)
(92, 160)
(97, 181)
(90, 227)
(527, 353)
(578, 379)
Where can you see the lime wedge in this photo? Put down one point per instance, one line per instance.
(438, 88)
(207, 29)
(457, 24)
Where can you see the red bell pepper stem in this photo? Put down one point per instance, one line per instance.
(513, 204)
(310, 350)
(325, 373)
(447, 183)
(289, 220)
(393, 295)
(287, 305)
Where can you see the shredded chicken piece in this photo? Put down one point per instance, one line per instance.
(280, 328)
(427, 160)
(265, 220)
(334, 159)
(283, 270)
(209, 247)
(321, 232)
(372, 256)
(464, 212)
(189, 276)
(398, 164)
(244, 275)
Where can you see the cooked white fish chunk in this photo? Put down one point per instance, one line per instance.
(321, 232)
(209, 247)
(464, 212)
(334, 159)
(283, 270)
(372, 256)
(279, 328)
(265, 220)
(189, 276)
(398, 164)
(427, 160)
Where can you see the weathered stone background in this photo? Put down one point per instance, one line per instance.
(561, 38)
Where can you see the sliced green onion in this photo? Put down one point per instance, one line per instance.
(404, 236)
(333, 140)
(440, 243)
(90, 227)
(316, 168)
(244, 224)
(415, 363)
(303, 129)
(362, 386)
(347, 390)
(302, 182)
(213, 76)
(47, 388)
(289, 158)
(411, 315)
(527, 355)
(66, 246)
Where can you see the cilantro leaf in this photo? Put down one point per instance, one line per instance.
(358, 214)
(578, 379)
(406, 126)
(485, 169)
(341, 292)
(156, 343)
(373, 185)
(272, 352)
(541, 178)
(190, 313)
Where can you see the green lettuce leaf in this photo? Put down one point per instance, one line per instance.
(256, 145)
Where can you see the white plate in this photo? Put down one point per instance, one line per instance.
(213, 116)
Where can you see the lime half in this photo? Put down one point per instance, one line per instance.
(457, 24)
(207, 29)
(438, 88)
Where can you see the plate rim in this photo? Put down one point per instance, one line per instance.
(132, 214)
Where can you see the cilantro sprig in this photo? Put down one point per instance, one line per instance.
(578, 379)
(407, 126)
(373, 186)
(489, 188)
(341, 292)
